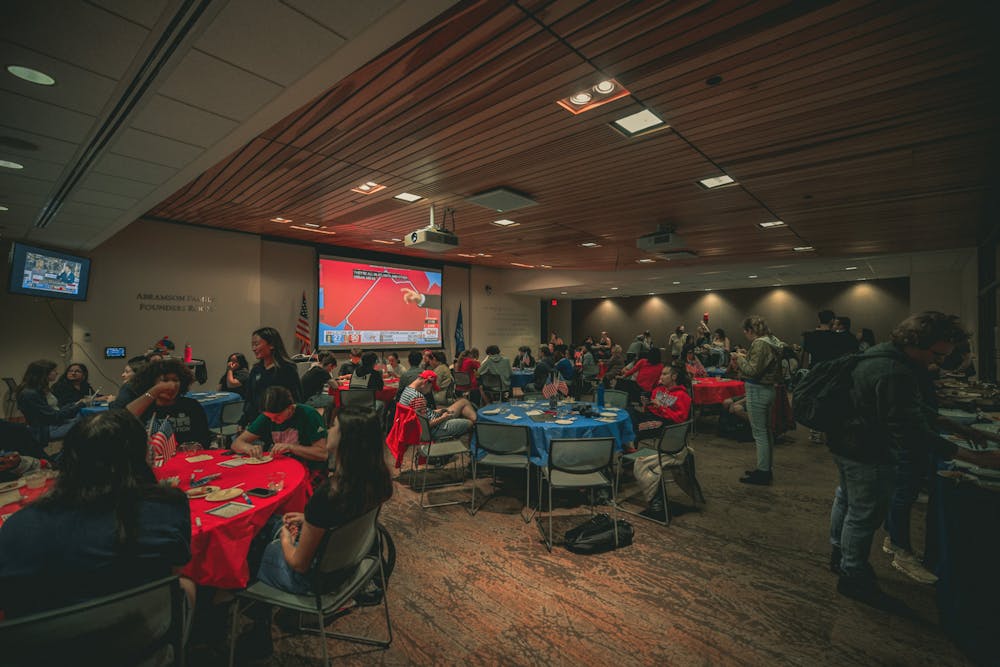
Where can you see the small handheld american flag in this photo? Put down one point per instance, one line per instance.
(302, 329)
(554, 386)
(162, 443)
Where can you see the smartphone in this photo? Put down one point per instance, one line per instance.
(261, 492)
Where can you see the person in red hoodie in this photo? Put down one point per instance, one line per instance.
(646, 370)
(670, 403)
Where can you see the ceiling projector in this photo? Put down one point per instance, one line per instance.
(432, 238)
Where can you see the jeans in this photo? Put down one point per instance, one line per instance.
(274, 569)
(760, 398)
(909, 475)
(859, 507)
(452, 428)
(320, 401)
(59, 432)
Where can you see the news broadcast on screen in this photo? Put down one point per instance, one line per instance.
(378, 305)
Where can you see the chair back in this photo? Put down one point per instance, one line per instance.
(343, 548)
(364, 398)
(492, 382)
(503, 438)
(615, 398)
(462, 379)
(590, 371)
(11, 387)
(581, 455)
(140, 626)
(674, 438)
(231, 413)
(359, 381)
(425, 429)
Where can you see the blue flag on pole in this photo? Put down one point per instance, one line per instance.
(459, 332)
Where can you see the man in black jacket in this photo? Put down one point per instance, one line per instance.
(891, 397)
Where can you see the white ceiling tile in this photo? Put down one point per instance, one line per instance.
(105, 199)
(121, 166)
(268, 38)
(208, 83)
(122, 186)
(12, 182)
(34, 167)
(77, 212)
(170, 118)
(75, 88)
(45, 148)
(345, 17)
(45, 119)
(145, 12)
(76, 32)
(160, 150)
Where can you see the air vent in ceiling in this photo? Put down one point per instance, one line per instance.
(502, 199)
(676, 254)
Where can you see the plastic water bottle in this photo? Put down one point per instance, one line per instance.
(187, 353)
(600, 394)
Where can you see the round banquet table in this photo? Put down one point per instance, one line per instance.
(386, 394)
(716, 390)
(542, 433)
(211, 402)
(26, 496)
(219, 546)
(521, 379)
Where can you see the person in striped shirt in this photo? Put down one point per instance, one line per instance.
(450, 422)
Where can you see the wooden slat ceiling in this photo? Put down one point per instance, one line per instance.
(865, 126)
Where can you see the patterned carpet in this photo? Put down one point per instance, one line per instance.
(742, 580)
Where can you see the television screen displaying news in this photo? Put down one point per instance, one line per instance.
(378, 305)
(47, 273)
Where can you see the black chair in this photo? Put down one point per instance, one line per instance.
(11, 400)
(141, 626)
(579, 463)
(461, 380)
(493, 387)
(364, 398)
(345, 563)
(506, 446)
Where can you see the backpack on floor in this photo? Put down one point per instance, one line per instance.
(597, 535)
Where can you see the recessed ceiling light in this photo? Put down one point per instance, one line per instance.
(708, 289)
(769, 225)
(604, 296)
(505, 223)
(753, 276)
(645, 260)
(564, 292)
(639, 123)
(590, 244)
(593, 97)
(523, 266)
(544, 266)
(465, 254)
(31, 75)
(482, 254)
(382, 241)
(11, 165)
(280, 220)
(307, 229)
(368, 188)
(850, 268)
(803, 248)
(406, 196)
(397, 240)
(652, 293)
(776, 285)
(311, 224)
(677, 282)
(716, 182)
(4, 208)
(614, 288)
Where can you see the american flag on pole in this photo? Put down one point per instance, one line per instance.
(302, 328)
(162, 443)
(555, 386)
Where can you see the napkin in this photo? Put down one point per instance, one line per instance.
(532, 413)
(9, 497)
(513, 417)
(199, 458)
(232, 463)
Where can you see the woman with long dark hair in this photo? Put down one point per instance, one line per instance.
(236, 375)
(46, 420)
(163, 385)
(129, 390)
(73, 385)
(273, 368)
(359, 481)
(105, 526)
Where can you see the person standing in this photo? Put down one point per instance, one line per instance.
(677, 341)
(891, 416)
(273, 368)
(761, 371)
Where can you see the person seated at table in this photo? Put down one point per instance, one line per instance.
(613, 366)
(468, 362)
(316, 380)
(358, 481)
(450, 422)
(105, 526)
(670, 403)
(286, 427)
(636, 349)
(347, 368)
(72, 385)
(164, 384)
(563, 364)
(46, 420)
(445, 380)
(129, 390)
(692, 364)
(365, 376)
(273, 368)
(588, 365)
(392, 368)
(718, 348)
(524, 358)
(410, 374)
(544, 368)
(236, 375)
(646, 371)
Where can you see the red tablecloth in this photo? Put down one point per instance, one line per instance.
(385, 395)
(716, 390)
(219, 546)
(27, 496)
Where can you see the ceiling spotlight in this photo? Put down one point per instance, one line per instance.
(280, 220)
(11, 165)
(677, 282)
(593, 97)
(564, 292)
(614, 288)
(604, 87)
(850, 268)
(368, 188)
(580, 98)
(523, 266)
(311, 224)
(4, 208)
(382, 241)
(639, 123)
(803, 248)
(753, 276)
(407, 197)
(505, 223)
(31, 75)
(769, 225)
(590, 244)
(544, 266)
(465, 254)
(716, 182)
(645, 260)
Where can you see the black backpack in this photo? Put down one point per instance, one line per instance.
(822, 399)
(597, 535)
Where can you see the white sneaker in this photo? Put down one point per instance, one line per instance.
(888, 547)
(911, 566)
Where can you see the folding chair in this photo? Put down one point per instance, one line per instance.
(430, 448)
(673, 440)
(492, 384)
(579, 463)
(615, 398)
(229, 418)
(506, 446)
(461, 380)
(344, 565)
(364, 398)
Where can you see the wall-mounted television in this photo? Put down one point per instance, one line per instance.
(48, 273)
(368, 305)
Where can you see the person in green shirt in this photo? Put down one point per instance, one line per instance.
(285, 426)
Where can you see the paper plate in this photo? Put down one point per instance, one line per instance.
(224, 494)
(609, 414)
(495, 411)
(11, 485)
(201, 491)
(256, 462)
(564, 422)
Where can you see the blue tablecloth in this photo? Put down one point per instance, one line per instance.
(543, 432)
(211, 402)
(521, 378)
